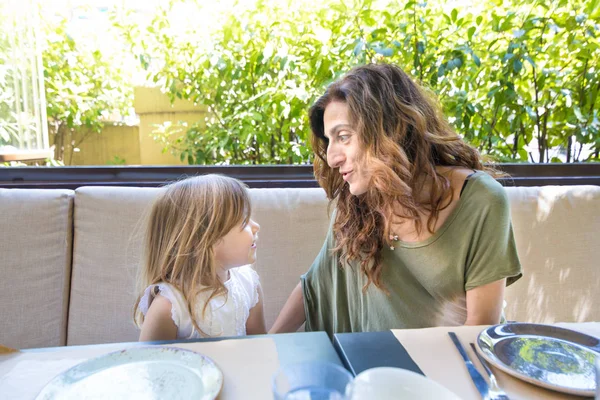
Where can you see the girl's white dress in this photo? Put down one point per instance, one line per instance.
(225, 315)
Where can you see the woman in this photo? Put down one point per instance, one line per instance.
(420, 236)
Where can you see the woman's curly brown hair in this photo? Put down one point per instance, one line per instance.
(403, 137)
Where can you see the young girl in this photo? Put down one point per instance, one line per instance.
(196, 280)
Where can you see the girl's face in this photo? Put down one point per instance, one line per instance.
(343, 150)
(238, 247)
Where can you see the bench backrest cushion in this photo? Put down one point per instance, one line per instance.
(557, 230)
(35, 266)
(106, 252)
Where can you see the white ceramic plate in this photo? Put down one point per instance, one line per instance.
(548, 356)
(386, 383)
(147, 373)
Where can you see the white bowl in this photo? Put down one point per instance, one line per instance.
(386, 383)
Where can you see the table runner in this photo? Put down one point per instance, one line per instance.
(434, 353)
(247, 366)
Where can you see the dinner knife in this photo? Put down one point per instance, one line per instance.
(478, 380)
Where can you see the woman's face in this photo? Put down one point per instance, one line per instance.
(343, 150)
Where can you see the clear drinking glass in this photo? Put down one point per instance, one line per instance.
(311, 381)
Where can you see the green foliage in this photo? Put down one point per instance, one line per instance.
(116, 160)
(19, 107)
(7, 133)
(508, 74)
(84, 88)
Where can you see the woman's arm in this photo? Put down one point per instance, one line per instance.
(256, 320)
(158, 324)
(484, 303)
(292, 314)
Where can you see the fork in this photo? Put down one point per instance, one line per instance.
(495, 392)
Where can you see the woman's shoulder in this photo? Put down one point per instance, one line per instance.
(487, 184)
(484, 190)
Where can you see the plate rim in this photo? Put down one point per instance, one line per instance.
(505, 368)
(208, 396)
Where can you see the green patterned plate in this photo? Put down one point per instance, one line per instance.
(548, 356)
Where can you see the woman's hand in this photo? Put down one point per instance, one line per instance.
(292, 314)
(484, 303)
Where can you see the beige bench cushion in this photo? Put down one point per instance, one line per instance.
(109, 225)
(293, 226)
(35, 249)
(557, 232)
(555, 228)
(106, 251)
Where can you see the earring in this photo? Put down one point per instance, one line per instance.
(393, 237)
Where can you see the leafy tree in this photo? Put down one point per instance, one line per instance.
(257, 80)
(509, 74)
(84, 87)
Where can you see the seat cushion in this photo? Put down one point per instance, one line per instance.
(35, 244)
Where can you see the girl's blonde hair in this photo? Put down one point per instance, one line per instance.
(185, 223)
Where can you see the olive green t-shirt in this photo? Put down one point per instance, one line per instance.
(427, 281)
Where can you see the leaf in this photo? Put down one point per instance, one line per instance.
(507, 57)
(522, 154)
(470, 32)
(529, 60)
(358, 49)
(441, 70)
(518, 33)
(593, 9)
(377, 32)
(517, 66)
(454, 14)
(579, 115)
(387, 52)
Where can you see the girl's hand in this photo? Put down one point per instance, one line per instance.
(158, 324)
(256, 320)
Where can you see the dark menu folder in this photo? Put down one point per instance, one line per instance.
(361, 351)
